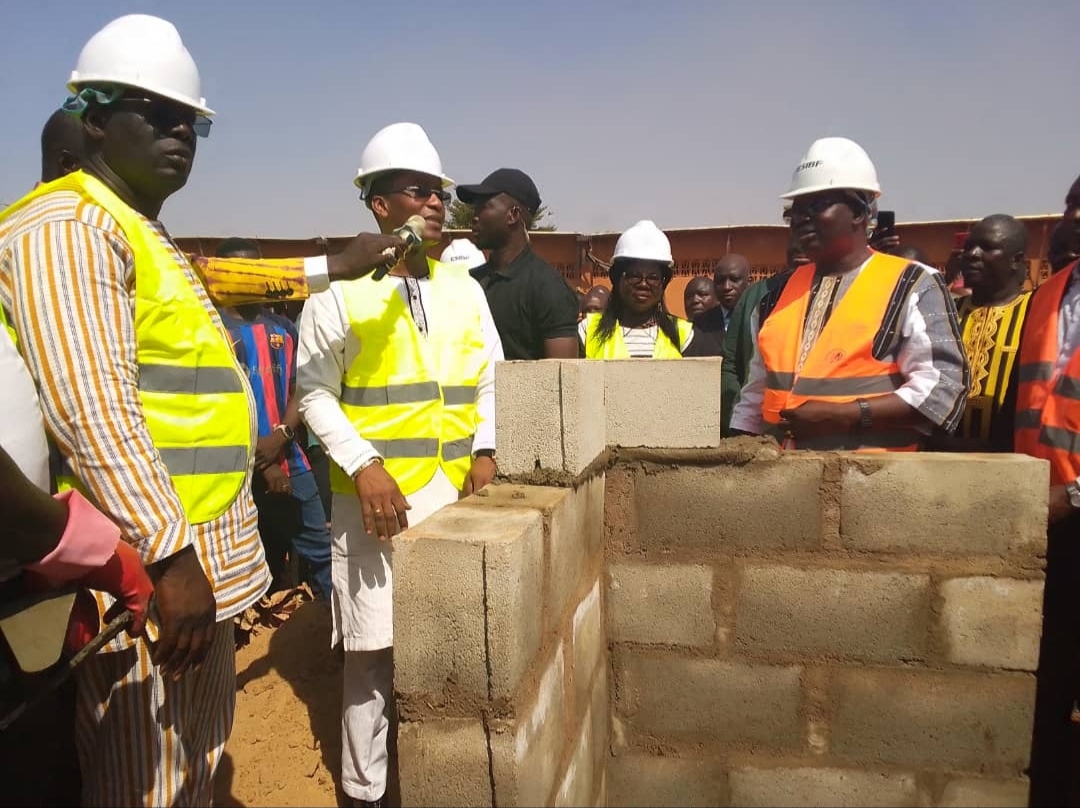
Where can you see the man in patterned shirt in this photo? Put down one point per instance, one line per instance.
(144, 403)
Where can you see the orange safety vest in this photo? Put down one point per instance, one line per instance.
(1048, 402)
(841, 367)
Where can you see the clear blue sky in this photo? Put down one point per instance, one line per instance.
(688, 113)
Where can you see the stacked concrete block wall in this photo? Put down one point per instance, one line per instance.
(794, 629)
(706, 622)
(501, 673)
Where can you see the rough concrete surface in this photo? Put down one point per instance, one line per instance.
(528, 416)
(526, 751)
(866, 615)
(447, 763)
(589, 643)
(995, 622)
(957, 721)
(687, 393)
(973, 793)
(661, 603)
(644, 781)
(945, 504)
(680, 697)
(821, 787)
(763, 505)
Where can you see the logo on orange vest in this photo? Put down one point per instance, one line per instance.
(277, 342)
(835, 357)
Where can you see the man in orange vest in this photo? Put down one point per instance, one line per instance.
(1048, 426)
(858, 349)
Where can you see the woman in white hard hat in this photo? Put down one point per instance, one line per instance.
(636, 324)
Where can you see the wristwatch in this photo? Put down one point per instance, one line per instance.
(865, 421)
(287, 431)
(1073, 490)
(366, 464)
(489, 453)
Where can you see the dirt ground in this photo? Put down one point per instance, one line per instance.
(285, 748)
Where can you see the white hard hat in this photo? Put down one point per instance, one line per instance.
(141, 51)
(644, 241)
(463, 251)
(834, 162)
(399, 147)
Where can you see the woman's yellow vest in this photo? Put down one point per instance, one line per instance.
(615, 348)
(414, 397)
(192, 391)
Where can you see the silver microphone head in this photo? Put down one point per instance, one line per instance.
(412, 233)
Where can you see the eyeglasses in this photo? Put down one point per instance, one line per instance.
(420, 193)
(816, 205)
(651, 279)
(165, 116)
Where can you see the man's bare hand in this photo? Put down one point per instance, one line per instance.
(482, 472)
(277, 481)
(187, 612)
(363, 255)
(381, 502)
(1060, 507)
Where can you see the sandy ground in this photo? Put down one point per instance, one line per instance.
(285, 748)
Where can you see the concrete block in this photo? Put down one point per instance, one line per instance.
(444, 762)
(977, 722)
(708, 699)
(947, 504)
(644, 781)
(528, 416)
(526, 751)
(589, 643)
(575, 535)
(866, 615)
(600, 710)
(584, 434)
(579, 780)
(973, 793)
(514, 566)
(439, 599)
(573, 525)
(686, 393)
(661, 603)
(995, 622)
(824, 787)
(758, 506)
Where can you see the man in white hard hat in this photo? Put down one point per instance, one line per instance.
(396, 378)
(463, 252)
(146, 407)
(859, 349)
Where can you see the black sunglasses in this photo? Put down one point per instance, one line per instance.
(816, 205)
(165, 116)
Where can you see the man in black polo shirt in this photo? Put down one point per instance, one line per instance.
(535, 310)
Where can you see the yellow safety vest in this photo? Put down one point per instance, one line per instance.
(615, 347)
(4, 322)
(193, 393)
(414, 397)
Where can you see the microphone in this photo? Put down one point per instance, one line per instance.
(412, 233)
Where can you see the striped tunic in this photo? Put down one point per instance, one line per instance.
(66, 281)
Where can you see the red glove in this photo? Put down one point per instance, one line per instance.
(124, 577)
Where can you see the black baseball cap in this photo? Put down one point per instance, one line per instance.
(509, 181)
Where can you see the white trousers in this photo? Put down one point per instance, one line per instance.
(363, 608)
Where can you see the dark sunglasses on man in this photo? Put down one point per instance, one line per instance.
(164, 115)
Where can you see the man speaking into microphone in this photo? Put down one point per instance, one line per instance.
(396, 378)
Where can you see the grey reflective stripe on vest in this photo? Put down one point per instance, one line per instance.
(1058, 438)
(399, 448)
(390, 394)
(458, 394)
(204, 460)
(1036, 372)
(1068, 387)
(173, 379)
(779, 381)
(847, 386)
(1028, 419)
(457, 449)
